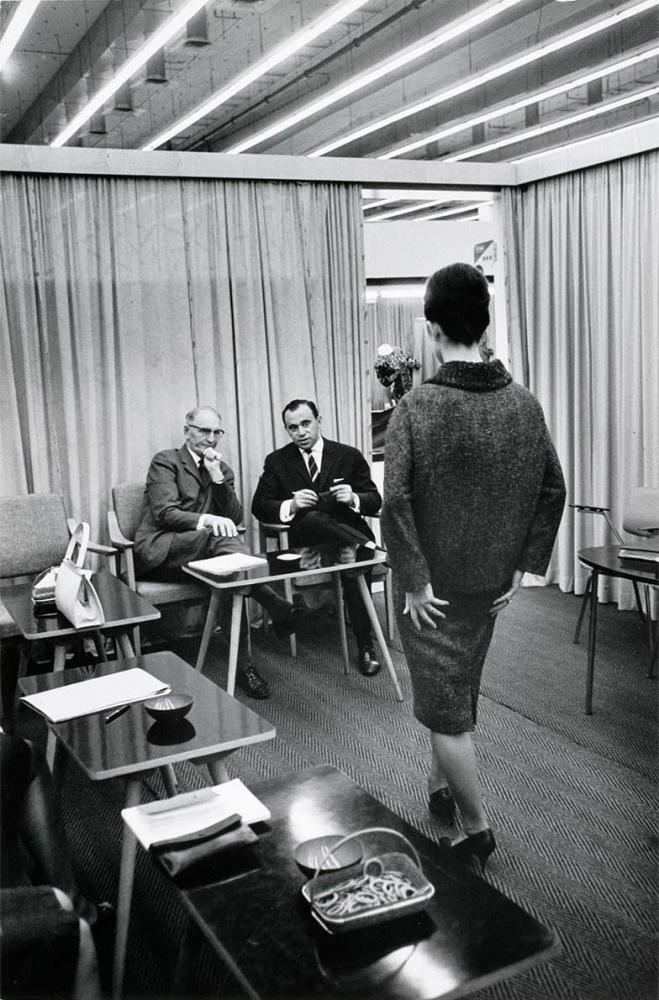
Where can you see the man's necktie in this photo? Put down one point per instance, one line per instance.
(313, 468)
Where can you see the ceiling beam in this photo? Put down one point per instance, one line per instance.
(252, 166)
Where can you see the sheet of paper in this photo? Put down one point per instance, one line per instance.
(95, 695)
(159, 822)
(225, 565)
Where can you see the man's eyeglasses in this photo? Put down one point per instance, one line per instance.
(209, 431)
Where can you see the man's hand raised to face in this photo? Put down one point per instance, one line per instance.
(211, 460)
(303, 499)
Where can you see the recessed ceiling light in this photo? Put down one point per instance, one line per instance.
(15, 28)
(433, 41)
(533, 55)
(167, 30)
(262, 66)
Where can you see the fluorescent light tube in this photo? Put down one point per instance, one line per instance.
(407, 209)
(541, 95)
(167, 30)
(511, 140)
(565, 147)
(262, 66)
(15, 28)
(533, 55)
(362, 80)
(447, 213)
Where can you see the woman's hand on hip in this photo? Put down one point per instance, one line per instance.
(502, 602)
(423, 607)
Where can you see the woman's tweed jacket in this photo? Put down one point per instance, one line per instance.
(473, 488)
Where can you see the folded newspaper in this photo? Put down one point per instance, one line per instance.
(225, 565)
(184, 815)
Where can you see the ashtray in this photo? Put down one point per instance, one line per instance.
(310, 854)
(167, 707)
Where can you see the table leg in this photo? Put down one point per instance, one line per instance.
(653, 631)
(377, 629)
(340, 614)
(126, 875)
(208, 629)
(592, 629)
(125, 646)
(169, 779)
(217, 769)
(234, 644)
(59, 662)
(288, 594)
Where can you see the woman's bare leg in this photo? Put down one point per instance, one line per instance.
(456, 758)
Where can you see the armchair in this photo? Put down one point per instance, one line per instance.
(123, 521)
(34, 534)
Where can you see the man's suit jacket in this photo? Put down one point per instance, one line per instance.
(176, 494)
(285, 470)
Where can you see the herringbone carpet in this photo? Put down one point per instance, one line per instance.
(571, 798)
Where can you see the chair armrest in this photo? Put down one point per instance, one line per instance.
(116, 537)
(102, 550)
(278, 527)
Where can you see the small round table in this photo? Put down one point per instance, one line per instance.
(605, 561)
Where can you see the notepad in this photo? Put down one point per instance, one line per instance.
(96, 694)
(183, 815)
(225, 565)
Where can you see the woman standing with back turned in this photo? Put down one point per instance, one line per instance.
(473, 496)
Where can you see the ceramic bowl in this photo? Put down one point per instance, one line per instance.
(167, 707)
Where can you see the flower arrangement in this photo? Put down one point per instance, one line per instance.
(393, 369)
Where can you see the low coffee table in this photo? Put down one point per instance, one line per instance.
(133, 745)
(469, 937)
(283, 566)
(122, 607)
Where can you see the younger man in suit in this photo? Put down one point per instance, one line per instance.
(322, 489)
(191, 512)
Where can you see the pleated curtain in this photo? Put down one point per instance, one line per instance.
(125, 302)
(583, 301)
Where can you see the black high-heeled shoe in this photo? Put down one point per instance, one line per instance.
(442, 805)
(477, 846)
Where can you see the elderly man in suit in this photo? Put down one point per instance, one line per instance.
(323, 489)
(191, 511)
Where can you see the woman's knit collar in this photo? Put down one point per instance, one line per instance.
(472, 376)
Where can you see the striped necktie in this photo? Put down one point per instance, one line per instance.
(311, 464)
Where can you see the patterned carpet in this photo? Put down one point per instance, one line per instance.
(572, 799)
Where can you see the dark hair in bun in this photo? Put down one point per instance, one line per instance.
(457, 297)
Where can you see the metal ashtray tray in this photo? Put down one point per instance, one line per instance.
(388, 885)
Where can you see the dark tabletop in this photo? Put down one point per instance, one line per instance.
(469, 936)
(122, 608)
(216, 723)
(605, 560)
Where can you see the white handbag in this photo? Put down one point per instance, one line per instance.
(75, 595)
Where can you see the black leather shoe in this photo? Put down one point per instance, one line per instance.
(475, 846)
(442, 805)
(296, 617)
(251, 683)
(367, 662)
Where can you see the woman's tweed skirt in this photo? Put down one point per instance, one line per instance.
(446, 663)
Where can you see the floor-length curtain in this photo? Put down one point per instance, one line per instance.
(126, 301)
(583, 300)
